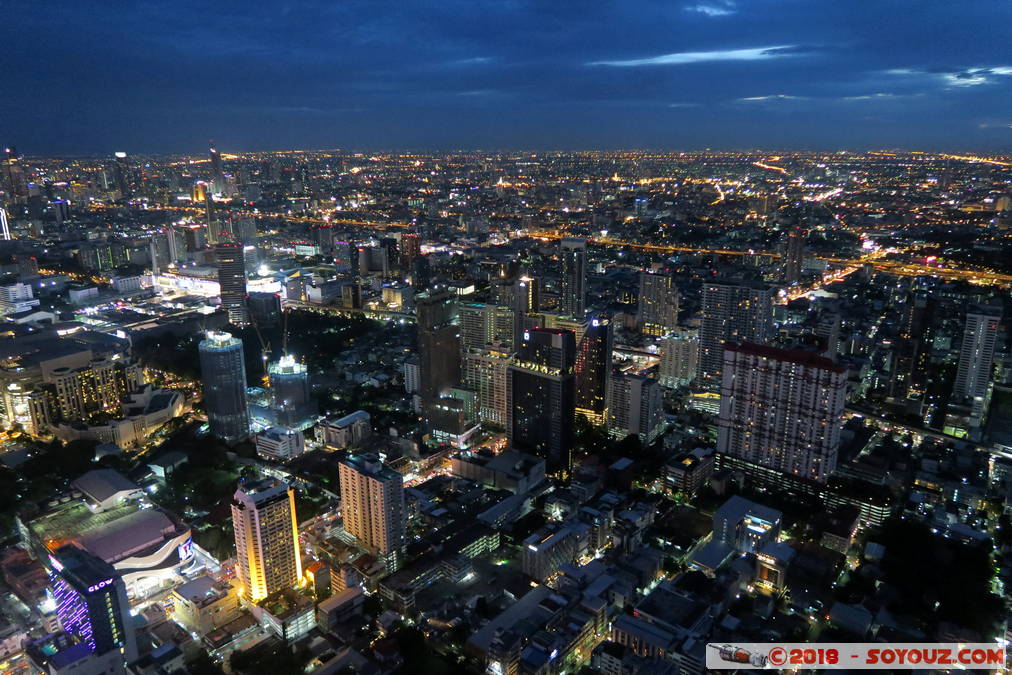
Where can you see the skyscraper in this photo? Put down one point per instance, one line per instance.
(91, 601)
(482, 325)
(542, 396)
(372, 505)
(484, 372)
(232, 281)
(438, 346)
(657, 313)
(781, 409)
(593, 365)
(290, 394)
(217, 171)
(223, 375)
(121, 170)
(976, 358)
(527, 294)
(213, 224)
(266, 538)
(635, 406)
(411, 248)
(732, 312)
(794, 255)
(573, 291)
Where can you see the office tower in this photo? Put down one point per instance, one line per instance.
(593, 366)
(290, 394)
(794, 255)
(732, 312)
(523, 294)
(351, 295)
(244, 230)
(573, 291)
(372, 505)
(223, 375)
(421, 272)
(389, 244)
(121, 171)
(5, 228)
(657, 313)
(214, 233)
(976, 358)
(635, 406)
(411, 248)
(781, 409)
(679, 359)
(373, 260)
(438, 346)
(484, 372)
(828, 332)
(325, 237)
(232, 281)
(15, 184)
(527, 294)
(541, 386)
(266, 538)
(217, 171)
(91, 601)
(483, 325)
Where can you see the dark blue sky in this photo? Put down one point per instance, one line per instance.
(161, 76)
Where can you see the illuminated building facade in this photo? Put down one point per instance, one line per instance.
(593, 366)
(657, 312)
(746, 526)
(290, 393)
(266, 538)
(781, 409)
(482, 325)
(372, 506)
(91, 601)
(232, 281)
(484, 372)
(542, 396)
(732, 312)
(679, 359)
(976, 358)
(635, 406)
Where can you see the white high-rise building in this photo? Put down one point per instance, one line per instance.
(976, 357)
(372, 505)
(635, 406)
(266, 538)
(657, 313)
(781, 409)
(679, 358)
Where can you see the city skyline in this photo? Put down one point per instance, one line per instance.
(717, 74)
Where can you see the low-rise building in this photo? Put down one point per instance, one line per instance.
(204, 605)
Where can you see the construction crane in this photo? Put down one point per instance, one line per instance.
(265, 352)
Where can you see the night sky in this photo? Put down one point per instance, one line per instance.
(82, 77)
